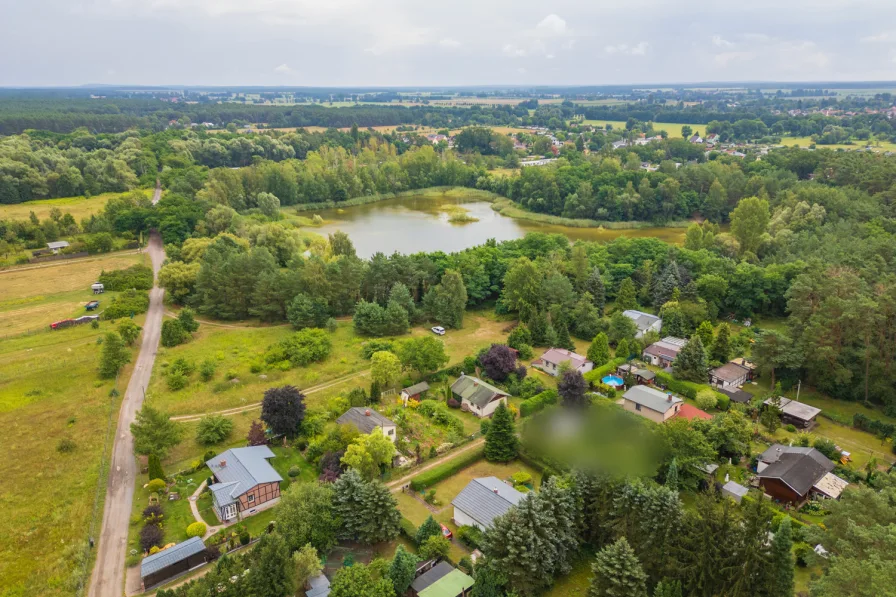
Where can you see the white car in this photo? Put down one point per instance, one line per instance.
(438, 330)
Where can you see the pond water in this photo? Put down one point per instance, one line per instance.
(421, 223)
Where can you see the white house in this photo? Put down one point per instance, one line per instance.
(476, 396)
(645, 322)
(483, 500)
(368, 421)
(551, 360)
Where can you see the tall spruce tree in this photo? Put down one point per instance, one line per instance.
(622, 349)
(690, 364)
(368, 510)
(501, 442)
(626, 295)
(563, 339)
(617, 572)
(672, 475)
(721, 347)
(595, 286)
(599, 351)
(428, 529)
(402, 569)
(666, 283)
(782, 561)
(668, 588)
(272, 573)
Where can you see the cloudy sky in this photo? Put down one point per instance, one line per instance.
(425, 42)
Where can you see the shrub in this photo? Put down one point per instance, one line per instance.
(521, 478)
(723, 402)
(538, 402)
(465, 564)
(790, 427)
(372, 346)
(156, 486)
(213, 429)
(827, 447)
(245, 537)
(302, 348)
(802, 552)
(207, 369)
(177, 381)
(197, 529)
(521, 488)
(66, 445)
(445, 470)
(706, 400)
(484, 424)
(470, 535)
(131, 302)
(294, 471)
(136, 276)
(173, 333)
(154, 550)
(407, 528)
(595, 375)
(153, 512)
(151, 536)
(436, 546)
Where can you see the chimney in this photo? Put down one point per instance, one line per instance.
(669, 397)
(495, 490)
(367, 413)
(223, 463)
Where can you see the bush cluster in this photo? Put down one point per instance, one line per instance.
(130, 302)
(137, 276)
(538, 402)
(443, 471)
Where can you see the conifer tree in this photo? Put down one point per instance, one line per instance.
(563, 339)
(668, 588)
(782, 561)
(690, 364)
(672, 475)
(595, 286)
(273, 572)
(402, 569)
(155, 467)
(368, 510)
(426, 530)
(706, 333)
(599, 351)
(721, 348)
(622, 349)
(625, 296)
(501, 443)
(617, 572)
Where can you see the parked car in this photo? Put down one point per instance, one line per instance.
(446, 532)
(92, 305)
(438, 330)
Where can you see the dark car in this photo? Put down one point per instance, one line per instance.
(92, 305)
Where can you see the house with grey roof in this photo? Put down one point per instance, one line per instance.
(793, 412)
(551, 360)
(794, 474)
(651, 403)
(367, 420)
(319, 586)
(483, 500)
(644, 321)
(244, 480)
(164, 565)
(476, 396)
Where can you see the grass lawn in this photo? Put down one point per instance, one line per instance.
(49, 390)
(446, 490)
(674, 129)
(78, 207)
(807, 141)
(576, 582)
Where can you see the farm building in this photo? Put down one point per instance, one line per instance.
(796, 413)
(663, 353)
(367, 420)
(442, 580)
(168, 563)
(551, 360)
(476, 396)
(651, 403)
(57, 246)
(244, 480)
(483, 500)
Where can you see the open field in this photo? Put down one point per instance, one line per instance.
(673, 128)
(235, 350)
(49, 390)
(33, 296)
(78, 207)
(857, 145)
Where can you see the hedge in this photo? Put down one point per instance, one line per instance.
(688, 389)
(445, 470)
(538, 402)
(407, 528)
(136, 276)
(595, 375)
(878, 428)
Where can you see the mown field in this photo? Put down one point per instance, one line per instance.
(78, 207)
(49, 391)
(807, 141)
(34, 296)
(673, 128)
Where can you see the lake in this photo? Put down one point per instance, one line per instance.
(417, 223)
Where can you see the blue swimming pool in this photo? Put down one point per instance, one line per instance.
(612, 380)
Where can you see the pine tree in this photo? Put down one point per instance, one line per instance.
(721, 348)
(538, 329)
(666, 283)
(705, 331)
(599, 351)
(622, 349)
(374, 392)
(782, 561)
(617, 572)
(674, 323)
(595, 286)
(155, 467)
(368, 510)
(113, 356)
(426, 530)
(402, 569)
(563, 339)
(625, 296)
(690, 364)
(446, 301)
(501, 442)
(668, 588)
(672, 475)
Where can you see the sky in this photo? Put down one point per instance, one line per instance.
(432, 43)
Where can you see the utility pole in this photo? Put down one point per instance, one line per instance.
(798, 385)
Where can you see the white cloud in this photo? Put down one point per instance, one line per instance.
(882, 37)
(549, 56)
(513, 51)
(720, 42)
(283, 68)
(397, 42)
(521, 70)
(447, 42)
(639, 49)
(551, 25)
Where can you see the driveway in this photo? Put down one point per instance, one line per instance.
(108, 576)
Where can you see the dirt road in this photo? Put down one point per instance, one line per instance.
(108, 575)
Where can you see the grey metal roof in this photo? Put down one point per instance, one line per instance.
(735, 488)
(57, 244)
(320, 586)
(795, 409)
(736, 395)
(730, 372)
(365, 419)
(642, 320)
(799, 468)
(651, 398)
(475, 391)
(172, 555)
(244, 468)
(431, 576)
(417, 388)
(486, 498)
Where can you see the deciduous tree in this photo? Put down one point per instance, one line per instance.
(283, 410)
